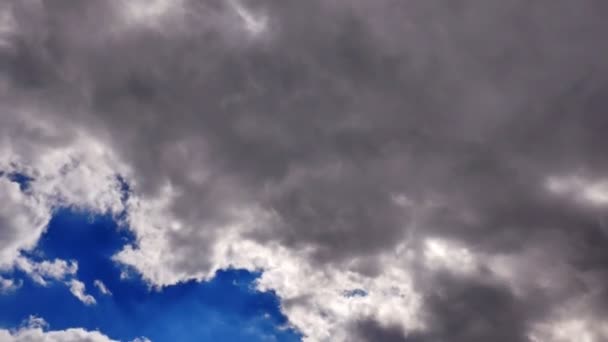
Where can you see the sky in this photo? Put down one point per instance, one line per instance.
(125, 308)
(322, 170)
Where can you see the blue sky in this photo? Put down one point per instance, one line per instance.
(227, 308)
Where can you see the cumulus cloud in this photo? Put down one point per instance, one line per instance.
(34, 330)
(421, 151)
(22, 218)
(72, 173)
(78, 289)
(46, 270)
(102, 287)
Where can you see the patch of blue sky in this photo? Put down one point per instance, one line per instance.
(226, 308)
(355, 293)
(22, 179)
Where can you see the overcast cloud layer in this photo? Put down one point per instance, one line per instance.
(416, 170)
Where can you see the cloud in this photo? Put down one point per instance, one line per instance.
(102, 287)
(252, 23)
(575, 329)
(394, 147)
(8, 285)
(580, 189)
(34, 331)
(47, 270)
(474, 310)
(78, 289)
(22, 219)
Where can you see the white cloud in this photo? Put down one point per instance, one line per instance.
(78, 289)
(8, 285)
(34, 331)
(45, 270)
(439, 253)
(589, 191)
(35, 322)
(22, 220)
(102, 287)
(253, 23)
(148, 12)
(71, 169)
(141, 339)
(571, 330)
(152, 221)
(312, 298)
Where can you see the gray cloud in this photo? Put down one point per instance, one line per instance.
(370, 330)
(475, 310)
(463, 107)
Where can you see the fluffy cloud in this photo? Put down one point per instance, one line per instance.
(406, 149)
(38, 335)
(102, 287)
(42, 271)
(34, 331)
(78, 289)
(22, 219)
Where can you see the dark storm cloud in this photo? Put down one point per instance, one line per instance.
(337, 108)
(370, 330)
(460, 310)
(475, 310)
(471, 308)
